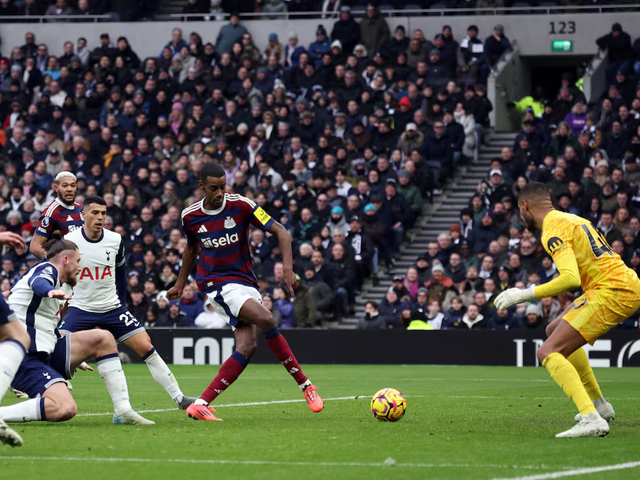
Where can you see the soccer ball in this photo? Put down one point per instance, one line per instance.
(388, 405)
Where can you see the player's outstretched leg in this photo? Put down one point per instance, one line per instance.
(255, 313)
(12, 351)
(580, 361)
(553, 355)
(141, 344)
(101, 345)
(280, 347)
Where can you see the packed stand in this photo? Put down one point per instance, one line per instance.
(58, 11)
(588, 155)
(341, 145)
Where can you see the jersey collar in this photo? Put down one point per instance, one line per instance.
(216, 211)
(93, 241)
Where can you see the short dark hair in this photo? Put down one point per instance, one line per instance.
(211, 170)
(57, 245)
(534, 190)
(93, 199)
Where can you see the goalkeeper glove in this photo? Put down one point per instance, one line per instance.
(513, 296)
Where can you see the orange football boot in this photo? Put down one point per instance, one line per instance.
(313, 399)
(202, 412)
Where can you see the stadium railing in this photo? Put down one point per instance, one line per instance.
(444, 12)
(57, 18)
(503, 86)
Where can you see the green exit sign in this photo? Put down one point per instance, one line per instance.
(562, 46)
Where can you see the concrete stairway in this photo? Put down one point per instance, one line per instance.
(437, 217)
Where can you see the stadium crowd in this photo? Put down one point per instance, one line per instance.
(587, 155)
(341, 145)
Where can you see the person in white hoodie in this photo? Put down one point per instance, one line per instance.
(209, 318)
(469, 124)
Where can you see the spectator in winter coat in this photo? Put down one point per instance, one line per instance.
(374, 30)
(389, 308)
(503, 320)
(439, 284)
(190, 304)
(337, 222)
(473, 319)
(277, 7)
(453, 316)
(411, 139)
(494, 47)
(437, 152)
(347, 30)
(470, 54)
(292, 51)
(484, 234)
(229, 34)
(618, 45)
(372, 319)
(410, 192)
(576, 119)
(321, 46)
(397, 45)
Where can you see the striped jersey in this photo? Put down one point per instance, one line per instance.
(59, 216)
(223, 236)
(41, 315)
(96, 290)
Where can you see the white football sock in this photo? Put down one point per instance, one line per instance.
(11, 355)
(110, 370)
(304, 385)
(29, 411)
(200, 401)
(161, 374)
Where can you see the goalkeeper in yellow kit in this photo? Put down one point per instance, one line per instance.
(611, 294)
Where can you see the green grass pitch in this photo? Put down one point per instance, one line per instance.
(462, 423)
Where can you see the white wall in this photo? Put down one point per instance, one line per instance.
(147, 38)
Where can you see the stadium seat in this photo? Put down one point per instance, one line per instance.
(521, 5)
(387, 9)
(413, 6)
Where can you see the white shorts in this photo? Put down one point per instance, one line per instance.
(229, 300)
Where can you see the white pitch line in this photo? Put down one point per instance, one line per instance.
(579, 471)
(246, 404)
(278, 463)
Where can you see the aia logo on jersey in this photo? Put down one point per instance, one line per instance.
(220, 242)
(554, 244)
(74, 227)
(95, 274)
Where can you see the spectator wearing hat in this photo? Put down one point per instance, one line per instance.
(396, 45)
(439, 284)
(411, 139)
(229, 34)
(273, 48)
(620, 52)
(292, 51)
(615, 142)
(276, 7)
(321, 46)
(438, 72)
(346, 30)
(494, 47)
(374, 30)
(337, 222)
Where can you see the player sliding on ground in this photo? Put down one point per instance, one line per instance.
(14, 342)
(37, 299)
(611, 294)
(217, 228)
(99, 298)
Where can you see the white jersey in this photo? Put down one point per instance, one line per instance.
(96, 288)
(41, 315)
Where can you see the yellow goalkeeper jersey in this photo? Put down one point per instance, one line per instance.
(600, 268)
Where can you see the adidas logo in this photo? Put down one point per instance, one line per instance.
(202, 229)
(69, 218)
(229, 222)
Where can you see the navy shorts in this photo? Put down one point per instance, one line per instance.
(119, 322)
(6, 315)
(39, 371)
